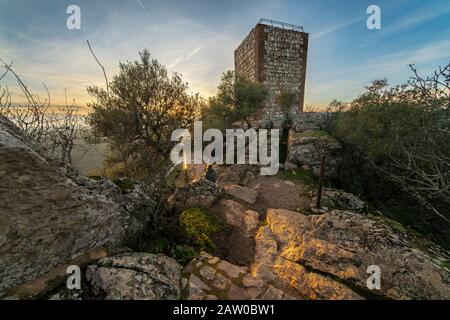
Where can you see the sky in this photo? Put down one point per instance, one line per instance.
(197, 38)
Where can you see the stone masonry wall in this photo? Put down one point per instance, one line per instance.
(277, 58)
(284, 67)
(244, 57)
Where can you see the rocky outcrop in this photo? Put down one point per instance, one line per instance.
(310, 121)
(339, 199)
(199, 193)
(327, 257)
(135, 276)
(238, 216)
(322, 257)
(241, 193)
(236, 174)
(46, 219)
(305, 149)
(210, 278)
(56, 279)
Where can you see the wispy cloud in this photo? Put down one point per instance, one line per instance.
(335, 28)
(143, 7)
(417, 18)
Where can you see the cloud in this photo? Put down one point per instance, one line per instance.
(335, 28)
(417, 18)
(142, 6)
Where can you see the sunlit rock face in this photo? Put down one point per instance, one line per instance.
(323, 257)
(327, 257)
(46, 218)
(210, 278)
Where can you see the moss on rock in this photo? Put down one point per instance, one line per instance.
(200, 226)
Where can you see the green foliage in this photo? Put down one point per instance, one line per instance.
(446, 264)
(181, 252)
(200, 226)
(305, 176)
(237, 101)
(401, 136)
(138, 114)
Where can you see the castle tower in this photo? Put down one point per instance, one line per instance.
(274, 53)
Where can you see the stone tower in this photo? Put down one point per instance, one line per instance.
(274, 53)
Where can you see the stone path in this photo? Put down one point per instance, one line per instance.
(210, 278)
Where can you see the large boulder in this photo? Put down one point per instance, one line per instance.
(339, 199)
(328, 256)
(305, 149)
(237, 216)
(199, 193)
(306, 121)
(242, 193)
(135, 276)
(46, 219)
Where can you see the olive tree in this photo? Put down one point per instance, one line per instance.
(137, 114)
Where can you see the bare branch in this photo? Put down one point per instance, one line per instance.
(101, 66)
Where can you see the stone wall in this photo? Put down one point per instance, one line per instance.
(284, 67)
(276, 57)
(244, 57)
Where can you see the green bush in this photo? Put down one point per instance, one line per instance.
(200, 227)
(181, 252)
(237, 101)
(397, 147)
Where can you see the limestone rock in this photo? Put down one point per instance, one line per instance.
(339, 199)
(290, 166)
(55, 279)
(213, 278)
(199, 193)
(237, 174)
(238, 217)
(46, 219)
(310, 121)
(241, 193)
(136, 276)
(306, 148)
(327, 256)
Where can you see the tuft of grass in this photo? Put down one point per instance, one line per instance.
(200, 226)
(446, 264)
(183, 253)
(305, 176)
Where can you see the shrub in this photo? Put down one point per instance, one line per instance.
(237, 101)
(200, 227)
(138, 112)
(397, 143)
